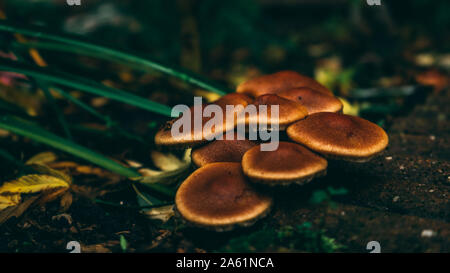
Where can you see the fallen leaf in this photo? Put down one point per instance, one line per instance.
(17, 211)
(133, 164)
(349, 109)
(163, 213)
(173, 168)
(42, 158)
(166, 162)
(148, 172)
(433, 78)
(43, 169)
(66, 201)
(9, 200)
(33, 183)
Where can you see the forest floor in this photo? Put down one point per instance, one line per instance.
(400, 199)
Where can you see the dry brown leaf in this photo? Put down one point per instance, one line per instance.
(162, 213)
(66, 201)
(17, 211)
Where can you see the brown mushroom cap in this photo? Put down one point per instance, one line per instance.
(164, 136)
(290, 163)
(288, 111)
(221, 151)
(233, 99)
(313, 100)
(339, 136)
(218, 196)
(276, 82)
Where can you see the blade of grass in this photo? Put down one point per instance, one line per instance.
(67, 48)
(34, 54)
(82, 84)
(80, 43)
(57, 111)
(34, 132)
(82, 105)
(9, 157)
(109, 122)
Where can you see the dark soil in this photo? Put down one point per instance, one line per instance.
(392, 199)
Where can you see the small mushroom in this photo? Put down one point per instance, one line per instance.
(277, 82)
(288, 111)
(164, 136)
(339, 136)
(225, 150)
(313, 100)
(219, 197)
(290, 163)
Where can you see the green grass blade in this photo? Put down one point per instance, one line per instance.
(59, 115)
(82, 84)
(34, 132)
(9, 157)
(23, 128)
(109, 122)
(82, 105)
(83, 44)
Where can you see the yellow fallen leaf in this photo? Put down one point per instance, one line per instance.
(44, 169)
(133, 163)
(9, 200)
(19, 209)
(349, 109)
(172, 168)
(166, 162)
(42, 158)
(33, 183)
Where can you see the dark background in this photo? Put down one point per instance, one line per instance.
(388, 63)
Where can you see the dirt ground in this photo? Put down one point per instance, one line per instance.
(399, 199)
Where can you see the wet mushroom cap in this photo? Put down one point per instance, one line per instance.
(289, 163)
(339, 136)
(288, 111)
(164, 135)
(313, 101)
(218, 196)
(225, 150)
(234, 99)
(193, 137)
(277, 82)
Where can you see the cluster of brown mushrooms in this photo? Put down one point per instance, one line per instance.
(221, 193)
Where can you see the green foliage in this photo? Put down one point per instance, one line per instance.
(85, 85)
(80, 45)
(301, 238)
(123, 243)
(326, 196)
(27, 129)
